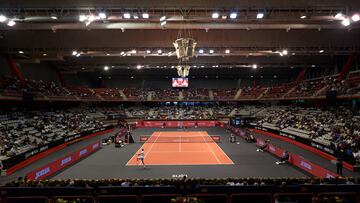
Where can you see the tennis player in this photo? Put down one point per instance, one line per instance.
(141, 157)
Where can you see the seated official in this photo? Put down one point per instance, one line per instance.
(232, 138)
(263, 146)
(250, 139)
(284, 158)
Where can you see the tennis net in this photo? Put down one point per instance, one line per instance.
(180, 139)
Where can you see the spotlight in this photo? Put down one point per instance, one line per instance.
(339, 16)
(321, 51)
(138, 66)
(145, 15)
(163, 18)
(53, 16)
(163, 23)
(227, 51)
(148, 51)
(211, 51)
(74, 53)
(21, 52)
(11, 23)
(127, 15)
(91, 18)
(233, 15)
(346, 22)
(2, 18)
(355, 17)
(201, 51)
(106, 68)
(254, 66)
(215, 15)
(260, 15)
(82, 18)
(102, 15)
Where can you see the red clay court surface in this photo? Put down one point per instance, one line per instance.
(188, 148)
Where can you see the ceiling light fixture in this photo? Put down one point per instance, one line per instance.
(82, 18)
(233, 15)
(11, 23)
(211, 51)
(102, 15)
(215, 15)
(346, 22)
(339, 16)
(254, 66)
(53, 16)
(303, 16)
(127, 15)
(260, 15)
(21, 52)
(145, 15)
(321, 51)
(138, 67)
(355, 17)
(106, 68)
(2, 18)
(201, 51)
(227, 51)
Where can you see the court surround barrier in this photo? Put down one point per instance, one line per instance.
(181, 139)
(299, 161)
(53, 167)
(178, 123)
(19, 161)
(308, 144)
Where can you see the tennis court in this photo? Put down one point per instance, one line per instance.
(181, 148)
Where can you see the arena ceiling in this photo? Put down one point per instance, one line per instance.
(311, 32)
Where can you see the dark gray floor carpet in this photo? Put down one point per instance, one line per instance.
(110, 162)
(307, 155)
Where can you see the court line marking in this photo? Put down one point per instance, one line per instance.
(184, 164)
(180, 143)
(221, 150)
(210, 149)
(152, 144)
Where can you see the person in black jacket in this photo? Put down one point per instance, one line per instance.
(339, 166)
